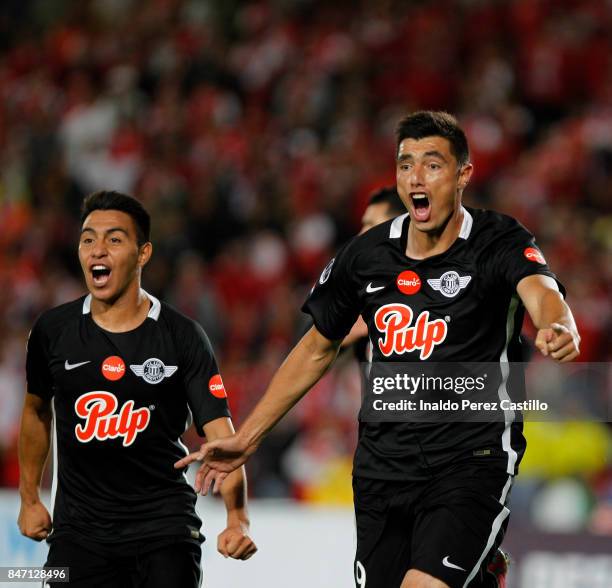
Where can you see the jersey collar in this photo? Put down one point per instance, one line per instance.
(153, 311)
(466, 225)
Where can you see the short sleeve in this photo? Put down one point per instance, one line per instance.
(206, 393)
(38, 373)
(516, 256)
(333, 302)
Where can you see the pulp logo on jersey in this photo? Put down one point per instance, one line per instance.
(113, 368)
(326, 272)
(153, 370)
(216, 387)
(394, 321)
(408, 282)
(449, 283)
(533, 254)
(101, 422)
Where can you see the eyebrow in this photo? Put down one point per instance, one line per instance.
(434, 153)
(107, 232)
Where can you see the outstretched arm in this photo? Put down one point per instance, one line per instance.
(302, 369)
(557, 332)
(34, 520)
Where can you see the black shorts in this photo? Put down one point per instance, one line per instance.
(448, 526)
(157, 564)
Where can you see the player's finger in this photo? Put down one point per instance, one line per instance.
(573, 355)
(200, 477)
(246, 550)
(241, 548)
(218, 482)
(559, 341)
(565, 350)
(233, 543)
(37, 535)
(195, 456)
(221, 466)
(249, 554)
(222, 545)
(208, 480)
(209, 450)
(541, 341)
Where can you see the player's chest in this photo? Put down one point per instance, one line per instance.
(138, 366)
(414, 309)
(438, 287)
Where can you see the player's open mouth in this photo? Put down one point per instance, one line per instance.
(100, 274)
(421, 205)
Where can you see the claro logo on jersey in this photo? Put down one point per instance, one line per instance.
(408, 282)
(216, 387)
(113, 368)
(400, 336)
(533, 254)
(102, 421)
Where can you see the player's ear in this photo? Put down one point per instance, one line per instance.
(465, 173)
(144, 253)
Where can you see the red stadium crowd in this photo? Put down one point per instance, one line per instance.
(254, 133)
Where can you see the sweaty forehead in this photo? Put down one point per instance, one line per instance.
(103, 220)
(419, 147)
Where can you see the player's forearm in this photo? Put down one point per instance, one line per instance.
(302, 369)
(234, 493)
(34, 441)
(553, 309)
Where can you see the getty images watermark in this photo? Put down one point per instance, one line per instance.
(485, 392)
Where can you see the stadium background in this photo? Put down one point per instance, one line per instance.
(254, 133)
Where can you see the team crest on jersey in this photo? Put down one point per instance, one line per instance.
(449, 283)
(401, 336)
(102, 421)
(326, 272)
(153, 370)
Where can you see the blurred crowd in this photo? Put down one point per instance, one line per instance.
(254, 132)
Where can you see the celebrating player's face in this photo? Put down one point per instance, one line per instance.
(109, 254)
(429, 181)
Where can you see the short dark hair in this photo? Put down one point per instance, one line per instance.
(430, 123)
(389, 196)
(112, 200)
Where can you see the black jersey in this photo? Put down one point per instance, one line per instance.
(121, 402)
(458, 306)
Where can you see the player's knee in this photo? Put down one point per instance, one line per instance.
(418, 579)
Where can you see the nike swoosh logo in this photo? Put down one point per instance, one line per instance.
(71, 366)
(370, 288)
(448, 564)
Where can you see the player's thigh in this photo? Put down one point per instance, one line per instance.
(88, 566)
(460, 526)
(177, 564)
(383, 534)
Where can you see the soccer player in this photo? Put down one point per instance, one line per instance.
(118, 376)
(442, 283)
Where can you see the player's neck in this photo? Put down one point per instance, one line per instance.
(421, 244)
(125, 313)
